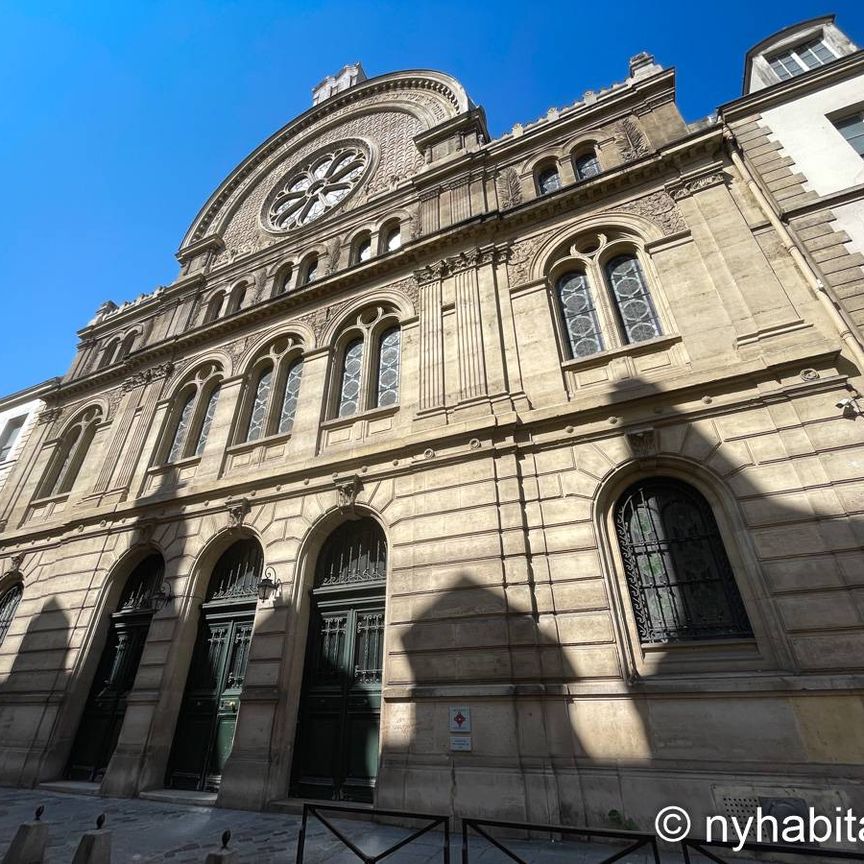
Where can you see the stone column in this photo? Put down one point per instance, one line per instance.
(431, 341)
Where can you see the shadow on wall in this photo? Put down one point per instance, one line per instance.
(575, 713)
(33, 696)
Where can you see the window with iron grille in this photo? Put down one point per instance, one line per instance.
(8, 606)
(678, 575)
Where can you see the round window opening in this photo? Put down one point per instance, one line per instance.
(317, 187)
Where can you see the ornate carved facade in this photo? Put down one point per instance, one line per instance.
(544, 425)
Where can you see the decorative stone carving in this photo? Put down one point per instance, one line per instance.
(49, 415)
(334, 247)
(643, 442)
(660, 208)
(16, 562)
(236, 350)
(631, 142)
(146, 376)
(685, 188)
(348, 488)
(409, 287)
(413, 227)
(509, 188)
(237, 512)
(520, 258)
(476, 257)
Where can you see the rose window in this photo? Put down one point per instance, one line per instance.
(317, 188)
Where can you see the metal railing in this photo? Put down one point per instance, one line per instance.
(433, 819)
(636, 839)
(783, 848)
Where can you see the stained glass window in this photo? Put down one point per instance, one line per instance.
(579, 315)
(8, 606)
(548, 181)
(292, 393)
(586, 166)
(352, 367)
(388, 368)
(65, 471)
(632, 299)
(181, 428)
(679, 577)
(208, 420)
(258, 415)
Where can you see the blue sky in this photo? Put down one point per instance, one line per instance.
(119, 119)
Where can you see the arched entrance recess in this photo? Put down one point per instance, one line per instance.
(336, 754)
(208, 715)
(103, 715)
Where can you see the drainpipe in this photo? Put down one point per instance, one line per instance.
(803, 261)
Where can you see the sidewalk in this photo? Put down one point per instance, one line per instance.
(149, 832)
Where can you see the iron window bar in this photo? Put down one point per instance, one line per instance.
(315, 810)
(820, 853)
(637, 839)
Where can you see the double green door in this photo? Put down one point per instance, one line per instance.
(208, 715)
(336, 754)
(103, 715)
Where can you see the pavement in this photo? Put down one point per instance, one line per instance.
(156, 832)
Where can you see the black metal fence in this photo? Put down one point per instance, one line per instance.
(634, 839)
(703, 847)
(433, 820)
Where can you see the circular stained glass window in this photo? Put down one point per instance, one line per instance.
(317, 187)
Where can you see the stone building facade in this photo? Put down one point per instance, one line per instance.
(516, 477)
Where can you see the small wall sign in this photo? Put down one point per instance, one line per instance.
(461, 743)
(460, 719)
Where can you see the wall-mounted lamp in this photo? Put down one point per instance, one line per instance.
(268, 584)
(162, 597)
(850, 408)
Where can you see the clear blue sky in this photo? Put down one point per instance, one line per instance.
(120, 118)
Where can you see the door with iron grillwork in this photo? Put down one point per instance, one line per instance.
(208, 714)
(336, 753)
(105, 709)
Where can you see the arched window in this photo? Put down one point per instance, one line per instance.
(310, 270)
(238, 296)
(633, 302)
(678, 575)
(108, 353)
(70, 454)
(387, 389)
(391, 238)
(283, 280)
(368, 360)
(586, 165)
(192, 414)
(214, 307)
(352, 371)
(275, 387)
(362, 248)
(548, 180)
(579, 315)
(8, 607)
(127, 345)
(602, 295)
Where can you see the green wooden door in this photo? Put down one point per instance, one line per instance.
(106, 705)
(337, 745)
(208, 715)
(336, 751)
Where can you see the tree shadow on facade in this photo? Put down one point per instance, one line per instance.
(35, 695)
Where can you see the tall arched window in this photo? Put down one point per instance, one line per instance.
(368, 361)
(548, 180)
(214, 307)
(602, 295)
(678, 575)
(237, 298)
(192, 414)
(271, 402)
(639, 319)
(127, 345)
(361, 249)
(391, 237)
(283, 279)
(108, 353)
(579, 315)
(8, 607)
(309, 272)
(586, 165)
(70, 454)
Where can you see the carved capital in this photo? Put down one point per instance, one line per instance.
(684, 188)
(643, 442)
(49, 415)
(146, 376)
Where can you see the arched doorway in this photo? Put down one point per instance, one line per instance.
(100, 725)
(336, 752)
(208, 715)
